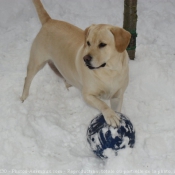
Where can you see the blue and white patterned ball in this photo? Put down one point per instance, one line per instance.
(104, 138)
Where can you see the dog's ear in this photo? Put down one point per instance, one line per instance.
(122, 38)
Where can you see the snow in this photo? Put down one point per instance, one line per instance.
(48, 130)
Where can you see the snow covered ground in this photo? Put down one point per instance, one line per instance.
(48, 130)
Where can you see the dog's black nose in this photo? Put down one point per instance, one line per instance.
(87, 58)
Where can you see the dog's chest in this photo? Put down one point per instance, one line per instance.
(105, 84)
(109, 88)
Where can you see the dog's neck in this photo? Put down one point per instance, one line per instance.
(114, 67)
(117, 62)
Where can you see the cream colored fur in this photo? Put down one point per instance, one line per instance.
(66, 45)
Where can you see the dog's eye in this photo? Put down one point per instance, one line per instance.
(88, 43)
(102, 45)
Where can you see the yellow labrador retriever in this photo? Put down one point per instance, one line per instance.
(95, 60)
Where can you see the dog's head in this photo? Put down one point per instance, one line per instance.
(102, 42)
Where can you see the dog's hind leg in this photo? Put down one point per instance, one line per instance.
(35, 64)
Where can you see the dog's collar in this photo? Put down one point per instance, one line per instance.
(91, 67)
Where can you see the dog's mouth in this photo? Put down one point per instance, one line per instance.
(91, 67)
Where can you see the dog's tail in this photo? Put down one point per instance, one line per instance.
(43, 15)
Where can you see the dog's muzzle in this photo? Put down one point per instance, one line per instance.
(88, 59)
(91, 67)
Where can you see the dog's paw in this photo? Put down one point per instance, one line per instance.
(67, 85)
(111, 117)
(22, 99)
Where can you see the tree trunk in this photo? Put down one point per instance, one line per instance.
(129, 24)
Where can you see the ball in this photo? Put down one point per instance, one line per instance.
(105, 139)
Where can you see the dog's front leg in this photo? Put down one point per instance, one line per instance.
(110, 116)
(116, 101)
